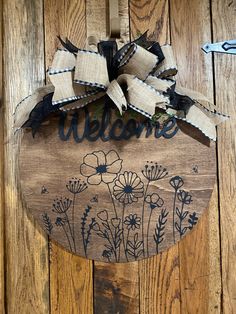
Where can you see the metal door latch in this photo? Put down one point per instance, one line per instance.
(228, 46)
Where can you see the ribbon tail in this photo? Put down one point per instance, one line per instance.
(32, 110)
(203, 103)
(196, 118)
(116, 94)
(68, 45)
(201, 113)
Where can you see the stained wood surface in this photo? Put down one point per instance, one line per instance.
(26, 249)
(26, 282)
(92, 213)
(2, 275)
(159, 275)
(116, 288)
(70, 276)
(223, 14)
(197, 278)
(110, 294)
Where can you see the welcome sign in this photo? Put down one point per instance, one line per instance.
(112, 188)
(118, 130)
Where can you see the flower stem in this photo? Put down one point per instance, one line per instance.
(148, 231)
(68, 222)
(180, 221)
(73, 220)
(112, 240)
(123, 236)
(122, 227)
(114, 248)
(127, 243)
(174, 215)
(112, 200)
(145, 194)
(67, 238)
(127, 237)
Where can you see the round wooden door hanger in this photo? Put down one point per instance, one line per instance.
(116, 189)
(111, 185)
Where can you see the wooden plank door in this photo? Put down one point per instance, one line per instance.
(195, 276)
(26, 247)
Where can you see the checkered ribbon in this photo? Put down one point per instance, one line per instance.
(143, 80)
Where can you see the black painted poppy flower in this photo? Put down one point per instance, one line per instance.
(128, 188)
(100, 167)
(184, 197)
(154, 200)
(132, 221)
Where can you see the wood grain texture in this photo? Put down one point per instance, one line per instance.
(224, 28)
(152, 15)
(66, 19)
(214, 259)
(2, 268)
(71, 283)
(161, 284)
(105, 229)
(159, 290)
(106, 299)
(27, 288)
(190, 28)
(116, 288)
(71, 286)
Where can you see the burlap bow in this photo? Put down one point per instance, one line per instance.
(140, 75)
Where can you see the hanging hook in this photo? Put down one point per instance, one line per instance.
(114, 19)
